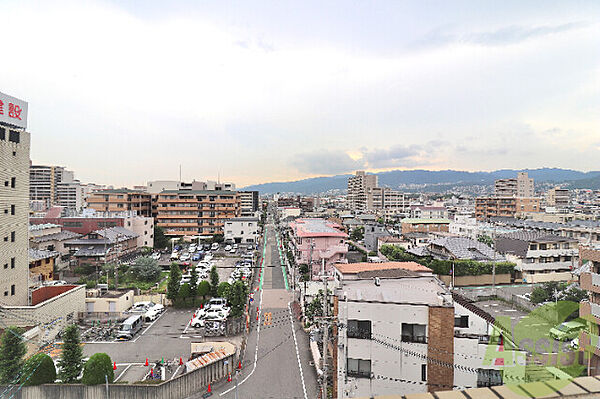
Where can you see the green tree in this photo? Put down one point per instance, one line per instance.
(214, 281)
(96, 368)
(223, 289)
(160, 240)
(204, 288)
(12, 350)
(574, 294)
(236, 297)
(38, 369)
(194, 283)
(185, 292)
(145, 269)
(538, 295)
(487, 240)
(71, 360)
(357, 234)
(173, 283)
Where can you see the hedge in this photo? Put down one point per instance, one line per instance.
(98, 365)
(39, 369)
(443, 267)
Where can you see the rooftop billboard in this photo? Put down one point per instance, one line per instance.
(13, 111)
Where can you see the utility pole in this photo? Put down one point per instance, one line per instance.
(325, 331)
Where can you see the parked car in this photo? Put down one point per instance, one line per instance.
(227, 248)
(130, 327)
(152, 314)
(156, 256)
(232, 250)
(235, 246)
(141, 307)
(184, 257)
(196, 257)
(192, 248)
(214, 246)
(567, 330)
(54, 282)
(174, 255)
(198, 321)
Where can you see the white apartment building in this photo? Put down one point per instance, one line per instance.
(558, 197)
(386, 202)
(358, 187)
(249, 202)
(70, 195)
(241, 230)
(14, 213)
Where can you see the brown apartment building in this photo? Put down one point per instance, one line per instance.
(487, 207)
(118, 200)
(196, 212)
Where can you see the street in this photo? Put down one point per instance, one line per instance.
(276, 362)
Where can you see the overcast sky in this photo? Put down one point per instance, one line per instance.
(257, 91)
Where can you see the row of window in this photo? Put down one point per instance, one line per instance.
(13, 236)
(12, 263)
(12, 183)
(13, 135)
(12, 210)
(12, 290)
(361, 329)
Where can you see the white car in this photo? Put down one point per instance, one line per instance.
(227, 248)
(208, 257)
(214, 246)
(192, 248)
(232, 250)
(184, 257)
(156, 256)
(198, 321)
(174, 255)
(141, 307)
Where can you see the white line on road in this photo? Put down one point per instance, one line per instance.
(123, 372)
(175, 373)
(255, 352)
(297, 353)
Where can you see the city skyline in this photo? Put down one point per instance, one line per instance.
(280, 91)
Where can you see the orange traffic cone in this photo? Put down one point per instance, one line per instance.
(240, 365)
(209, 389)
(180, 361)
(151, 372)
(145, 364)
(114, 365)
(229, 377)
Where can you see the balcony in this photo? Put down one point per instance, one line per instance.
(544, 253)
(590, 282)
(336, 249)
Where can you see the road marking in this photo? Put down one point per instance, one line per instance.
(123, 372)
(151, 324)
(297, 352)
(255, 351)
(175, 373)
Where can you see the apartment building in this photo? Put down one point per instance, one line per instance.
(70, 195)
(306, 204)
(190, 213)
(488, 207)
(587, 232)
(428, 212)
(558, 197)
(590, 309)
(358, 188)
(386, 202)
(118, 200)
(538, 256)
(14, 205)
(522, 186)
(44, 181)
(249, 202)
(410, 225)
(242, 230)
(316, 239)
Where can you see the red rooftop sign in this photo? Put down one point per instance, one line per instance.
(13, 111)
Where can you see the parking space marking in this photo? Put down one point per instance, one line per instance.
(122, 372)
(151, 324)
(175, 373)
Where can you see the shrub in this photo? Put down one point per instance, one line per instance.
(38, 369)
(223, 289)
(203, 288)
(98, 366)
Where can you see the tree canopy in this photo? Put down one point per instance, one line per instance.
(145, 269)
(12, 350)
(96, 368)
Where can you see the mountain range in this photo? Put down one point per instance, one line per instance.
(397, 178)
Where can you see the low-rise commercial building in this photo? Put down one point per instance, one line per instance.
(108, 304)
(315, 240)
(410, 225)
(242, 230)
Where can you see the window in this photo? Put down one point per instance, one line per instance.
(414, 333)
(2, 134)
(12, 209)
(359, 368)
(12, 263)
(12, 289)
(14, 136)
(12, 236)
(424, 372)
(13, 182)
(488, 377)
(461, 321)
(360, 329)
(72, 224)
(6, 265)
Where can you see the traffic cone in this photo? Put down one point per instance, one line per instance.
(229, 377)
(162, 361)
(240, 365)
(201, 306)
(114, 365)
(145, 364)
(209, 389)
(151, 372)
(256, 317)
(180, 361)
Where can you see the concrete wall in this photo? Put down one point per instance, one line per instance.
(484, 279)
(181, 387)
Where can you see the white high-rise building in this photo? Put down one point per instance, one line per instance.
(358, 188)
(14, 204)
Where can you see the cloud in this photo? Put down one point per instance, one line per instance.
(506, 35)
(326, 162)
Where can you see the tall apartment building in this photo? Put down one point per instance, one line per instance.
(558, 197)
(118, 200)
(386, 202)
(44, 180)
(590, 309)
(196, 212)
(70, 195)
(358, 188)
(14, 201)
(249, 202)
(522, 186)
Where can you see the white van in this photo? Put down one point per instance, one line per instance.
(130, 327)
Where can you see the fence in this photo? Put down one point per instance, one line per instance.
(183, 386)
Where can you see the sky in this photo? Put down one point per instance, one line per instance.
(123, 92)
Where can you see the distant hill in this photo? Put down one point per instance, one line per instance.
(593, 183)
(396, 178)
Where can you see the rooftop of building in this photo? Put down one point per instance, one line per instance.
(39, 254)
(466, 248)
(243, 219)
(42, 226)
(200, 192)
(424, 221)
(545, 225)
(119, 191)
(316, 228)
(355, 268)
(61, 236)
(535, 236)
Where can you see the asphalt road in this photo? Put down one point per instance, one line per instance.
(277, 355)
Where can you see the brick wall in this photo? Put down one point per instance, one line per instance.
(440, 349)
